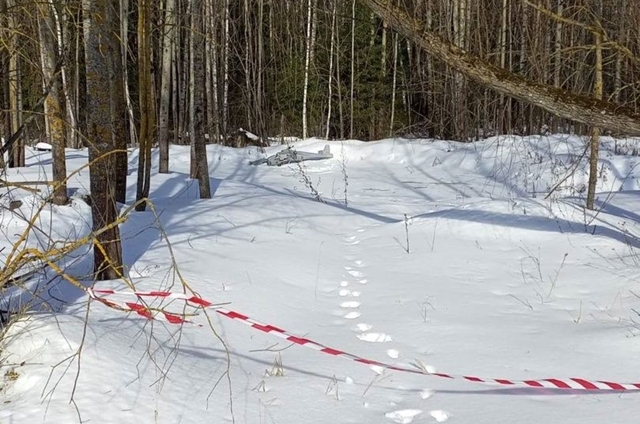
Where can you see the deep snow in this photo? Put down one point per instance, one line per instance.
(446, 254)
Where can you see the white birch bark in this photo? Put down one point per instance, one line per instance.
(307, 61)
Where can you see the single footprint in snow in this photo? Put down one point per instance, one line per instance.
(403, 416)
(358, 263)
(351, 240)
(344, 283)
(350, 304)
(355, 293)
(374, 337)
(361, 230)
(354, 273)
(440, 416)
(363, 281)
(363, 327)
(348, 268)
(426, 393)
(352, 315)
(344, 292)
(393, 353)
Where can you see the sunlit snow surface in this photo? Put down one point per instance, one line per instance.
(446, 255)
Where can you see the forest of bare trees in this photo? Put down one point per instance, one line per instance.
(108, 74)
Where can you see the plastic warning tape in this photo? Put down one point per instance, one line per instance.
(148, 313)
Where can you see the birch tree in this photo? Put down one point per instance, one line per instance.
(168, 46)
(307, 64)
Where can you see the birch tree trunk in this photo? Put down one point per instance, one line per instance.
(307, 61)
(62, 37)
(168, 43)
(225, 88)
(214, 105)
(598, 89)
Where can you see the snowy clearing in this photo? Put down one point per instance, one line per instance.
(445, 255)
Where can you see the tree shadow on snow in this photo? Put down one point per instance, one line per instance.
(536, 223)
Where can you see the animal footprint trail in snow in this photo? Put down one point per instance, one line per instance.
(346, 292)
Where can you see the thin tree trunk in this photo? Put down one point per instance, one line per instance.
(62, 35)
(120, 106)
(225, 88)
(53, 104)
(307, 61)
(5, 115)
(77, 91)
(595, 132)
(260, 124)
(145, 93)
(353, 67)
(503, 64)
(17, 154)
(623, 35)
(331, 52)
(126, 107)
(215, 84)
(339, 82)
(557, 55)
(393, 89)
(168, 42)
(248, 64)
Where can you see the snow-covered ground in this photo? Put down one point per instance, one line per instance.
(444, 254)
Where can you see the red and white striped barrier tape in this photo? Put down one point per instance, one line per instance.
(173, 318)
